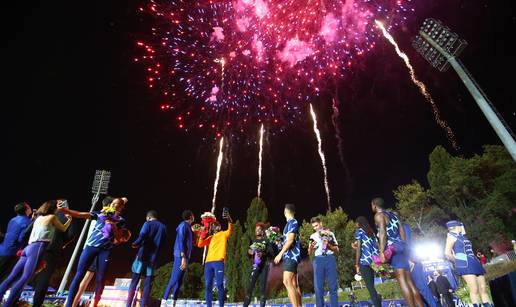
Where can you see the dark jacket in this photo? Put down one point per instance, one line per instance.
(184, 240)
(433, 288)
(14, 236)
(443, 285)
(151, 239)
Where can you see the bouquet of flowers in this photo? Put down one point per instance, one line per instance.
(387, 253)
(273, 235)
(109, 217)
(257, 247)
(206, 219)
(326, 237)
(196, 228)
(383, 270)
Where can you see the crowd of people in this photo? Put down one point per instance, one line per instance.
(33, 244)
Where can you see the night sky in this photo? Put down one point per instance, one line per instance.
(74, 101)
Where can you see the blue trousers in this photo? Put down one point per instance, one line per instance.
(214, 270)
(87, 257)
(176, 280)
(325, 268)
(22, 272)
(135, 278)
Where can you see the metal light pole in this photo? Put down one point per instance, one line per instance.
(439, 46)
(99, 187)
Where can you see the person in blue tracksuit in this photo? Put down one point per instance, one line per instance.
(182, 252)
(14, 238)
(149, 243)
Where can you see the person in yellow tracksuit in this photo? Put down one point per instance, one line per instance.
(214, 266)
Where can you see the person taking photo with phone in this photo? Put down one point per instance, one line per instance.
(217, 242)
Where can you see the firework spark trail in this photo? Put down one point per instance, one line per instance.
(321, 154)
(422, 87)
(336, 126)
(216, 183)
(260, 162)
(222, 62)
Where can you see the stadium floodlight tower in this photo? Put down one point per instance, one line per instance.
(440, 47)
(100, 187)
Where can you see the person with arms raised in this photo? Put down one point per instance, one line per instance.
(214, 266)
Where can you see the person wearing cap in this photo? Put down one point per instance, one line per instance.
(459, 250)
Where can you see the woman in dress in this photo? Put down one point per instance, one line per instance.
(460, 251)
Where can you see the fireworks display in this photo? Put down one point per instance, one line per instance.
(231, 65)
(421, 86)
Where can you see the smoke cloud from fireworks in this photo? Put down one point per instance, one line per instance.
(421, 86)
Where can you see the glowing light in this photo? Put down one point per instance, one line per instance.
(321, 155)
(216, 183)
(260, 153)
(429, 251)
(421, 86)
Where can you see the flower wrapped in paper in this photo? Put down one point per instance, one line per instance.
(273, 235)
(327, 237)
(258, 249)
(110, 218)
(384, 270)
(387, 254)
(197, 230)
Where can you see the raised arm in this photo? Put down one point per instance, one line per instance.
(229, 231)
(76, 214)
(58, 225)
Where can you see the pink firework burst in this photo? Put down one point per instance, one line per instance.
(232, 64)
